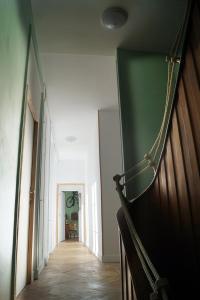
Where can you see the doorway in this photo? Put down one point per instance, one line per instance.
(72, 203)
(71, 212)
(27, 200)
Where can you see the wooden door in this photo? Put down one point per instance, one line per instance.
(23, 225)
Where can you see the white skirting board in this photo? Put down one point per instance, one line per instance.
(105, 258)
(110, 258)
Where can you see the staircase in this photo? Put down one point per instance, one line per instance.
(160, 230)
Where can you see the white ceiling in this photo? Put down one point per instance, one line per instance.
(73, 26)
(77, 86)
(79, 57)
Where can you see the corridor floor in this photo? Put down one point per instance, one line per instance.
(72, 274)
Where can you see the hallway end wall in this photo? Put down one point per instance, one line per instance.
(70, 171)
(70, 175)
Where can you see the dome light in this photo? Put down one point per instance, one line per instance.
(114, 17)
(71, 139)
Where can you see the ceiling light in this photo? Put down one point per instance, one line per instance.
(114, 17)
(71, 139)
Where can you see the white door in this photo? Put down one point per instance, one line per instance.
(22, 250)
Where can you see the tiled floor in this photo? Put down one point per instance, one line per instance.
(72, 274)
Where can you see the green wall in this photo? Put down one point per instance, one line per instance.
(14, 24)
(142, 88)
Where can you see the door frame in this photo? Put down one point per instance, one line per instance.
(61, 188)
(19, 167)
(32, 193)
(32, 199)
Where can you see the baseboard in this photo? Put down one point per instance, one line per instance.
(46, 261)
(37, 271)
(110, 258)
(104, 258)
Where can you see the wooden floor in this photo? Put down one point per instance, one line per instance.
(72, 274)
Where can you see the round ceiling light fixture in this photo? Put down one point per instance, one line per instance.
(71, 139)
(114, 17)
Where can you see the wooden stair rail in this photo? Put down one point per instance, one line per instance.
(158, 285)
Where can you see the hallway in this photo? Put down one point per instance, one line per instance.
(73, 273)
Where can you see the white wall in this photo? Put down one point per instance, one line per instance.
(70, 171)
(47, 167)
(45, 216)
(93, 192)
(52, 197)
(111, 164)
(50, 192)
(33, 81)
